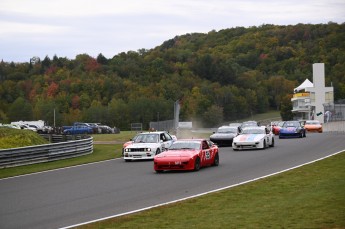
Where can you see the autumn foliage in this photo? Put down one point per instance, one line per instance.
(217, 76)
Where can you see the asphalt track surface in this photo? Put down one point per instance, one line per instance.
(75, 195)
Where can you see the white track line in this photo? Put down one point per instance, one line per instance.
(201, 194)
(47, 171)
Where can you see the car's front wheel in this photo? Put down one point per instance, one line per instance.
(197, 164)
(216, 160)
(272, 145)
(264, 145)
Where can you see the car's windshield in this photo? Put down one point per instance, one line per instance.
(253, 131)
(291, 124)
(280, 124)
(185, 145)
(146, 138)
(227, 130)
(312, 122)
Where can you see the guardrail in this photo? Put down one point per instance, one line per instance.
(54, 138)
(45, 153)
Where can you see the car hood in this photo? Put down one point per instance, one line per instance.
(127, 143)
(313, 126)
(177, 153)
(222, 135)
(143, 145)
(249, 137)
(289, 129)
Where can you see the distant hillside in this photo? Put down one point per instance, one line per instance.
(219, 76)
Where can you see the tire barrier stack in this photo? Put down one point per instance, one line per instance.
(47, 152)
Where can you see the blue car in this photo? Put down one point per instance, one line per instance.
(292, 129)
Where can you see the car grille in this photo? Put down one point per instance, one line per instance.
(137, 149)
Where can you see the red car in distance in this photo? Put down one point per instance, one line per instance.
(187, 154)
(128, 143)
(276, 127)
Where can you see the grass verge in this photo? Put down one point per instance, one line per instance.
(13, 138)
(308, 197)
(124, 136)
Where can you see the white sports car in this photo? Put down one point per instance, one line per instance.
(147, 145)
(254, 137)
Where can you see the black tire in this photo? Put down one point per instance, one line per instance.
(272, 145)
(265, 144)
(197, 164)
(158, 151)
(304, 135)
(216, 160)
(127, 160)
(301, 135)
(159, 171)
(235, 149)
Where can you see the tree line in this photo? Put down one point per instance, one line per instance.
(216, 76)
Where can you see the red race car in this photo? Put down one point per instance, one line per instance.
(187, 154)
(276, 127)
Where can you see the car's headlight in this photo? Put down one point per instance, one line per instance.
(147, 149)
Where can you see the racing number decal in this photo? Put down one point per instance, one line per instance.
(207, 154)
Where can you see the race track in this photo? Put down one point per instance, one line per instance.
(80, 194)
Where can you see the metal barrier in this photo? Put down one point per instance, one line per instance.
(45, 153)
(54, 138)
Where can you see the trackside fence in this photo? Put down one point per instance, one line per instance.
(55, 138)
(45, 153)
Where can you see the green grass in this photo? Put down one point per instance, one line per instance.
(308, 197)
(264, 117)
(13, 138)
(123, 136)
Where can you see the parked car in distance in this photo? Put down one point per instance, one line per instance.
(147, 145)
(104, 129)
(292, 129)
(96, 129)
(224, 135)
(78, 128)
(13, 126)
(28, 127)
(313, 126)
(187, 154)
(254, 137)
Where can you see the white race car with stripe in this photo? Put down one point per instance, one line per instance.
(254, 137)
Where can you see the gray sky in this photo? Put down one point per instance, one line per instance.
(67, 28)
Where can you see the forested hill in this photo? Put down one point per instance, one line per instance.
(218, 76)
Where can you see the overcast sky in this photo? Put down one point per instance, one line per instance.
(67, 28)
